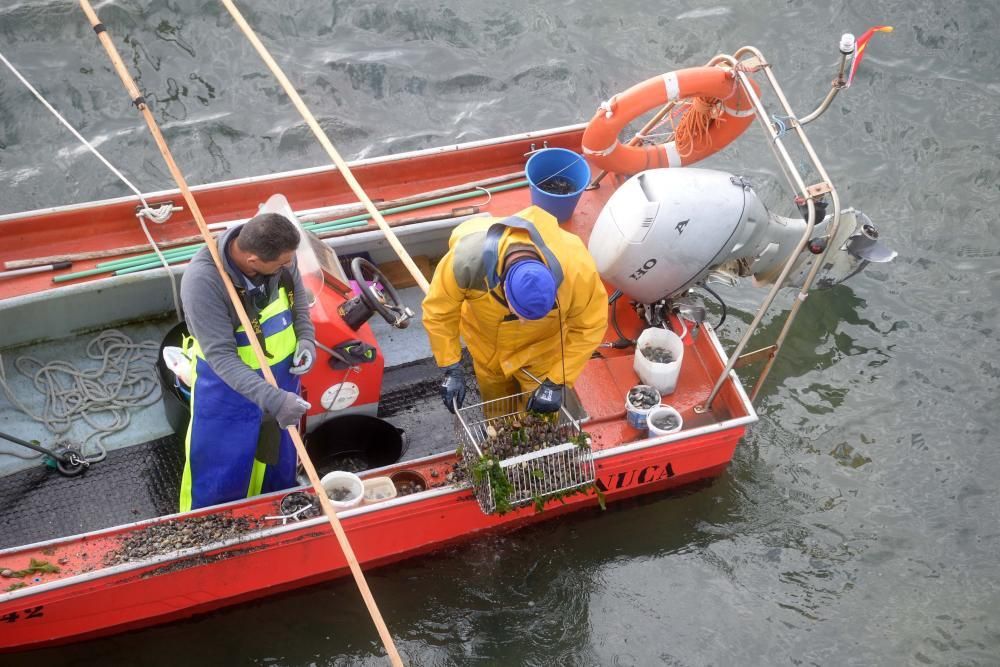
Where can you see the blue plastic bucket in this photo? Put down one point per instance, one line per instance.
(636, 416)
(549, 163)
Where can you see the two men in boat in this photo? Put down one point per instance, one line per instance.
(524, 295)
(236, 446)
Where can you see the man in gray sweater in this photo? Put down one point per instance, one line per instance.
(235, 413)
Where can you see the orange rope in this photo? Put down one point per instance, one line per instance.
(692, 129)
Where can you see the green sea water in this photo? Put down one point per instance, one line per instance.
(858, 523)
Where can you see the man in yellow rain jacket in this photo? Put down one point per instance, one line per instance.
(522, 293)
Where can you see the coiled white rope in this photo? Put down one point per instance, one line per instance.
(157, 215)
(125, 379)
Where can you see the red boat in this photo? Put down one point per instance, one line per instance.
(96, 574)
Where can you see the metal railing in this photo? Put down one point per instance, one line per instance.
(744, 63)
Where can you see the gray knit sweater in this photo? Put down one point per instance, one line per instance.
(212, 320)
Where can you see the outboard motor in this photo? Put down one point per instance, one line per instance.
(665, 230)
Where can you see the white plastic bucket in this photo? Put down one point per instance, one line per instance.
(340, 480)
(662, 376)
(635, 415)
(378, 489)
(660, 412)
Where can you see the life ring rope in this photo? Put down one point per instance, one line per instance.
(712, 111)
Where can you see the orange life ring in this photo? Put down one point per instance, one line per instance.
(726, 113)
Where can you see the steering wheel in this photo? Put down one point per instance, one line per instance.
(385, 301)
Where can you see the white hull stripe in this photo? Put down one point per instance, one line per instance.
(601, 153)
(672, 85)
(673, 157)
(738, 114)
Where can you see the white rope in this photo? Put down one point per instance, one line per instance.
(125, 379)
(489, 195)
(158, 215)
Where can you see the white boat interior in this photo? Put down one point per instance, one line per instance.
(141, 474)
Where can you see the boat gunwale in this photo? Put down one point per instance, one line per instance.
(308, 524)
(294, 173)
(114, 281)
(223, 507)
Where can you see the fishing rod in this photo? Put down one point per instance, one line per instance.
(140, 103)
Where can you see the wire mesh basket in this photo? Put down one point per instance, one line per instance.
(532, 475)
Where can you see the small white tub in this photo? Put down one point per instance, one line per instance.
(346, 486)
(378, 489)
(663, 420)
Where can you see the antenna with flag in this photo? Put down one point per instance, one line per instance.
(862, 45)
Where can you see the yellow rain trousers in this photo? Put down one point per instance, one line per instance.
(460, 303)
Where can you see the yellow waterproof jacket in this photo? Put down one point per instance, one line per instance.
(460, 302)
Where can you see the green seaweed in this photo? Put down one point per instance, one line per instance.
(541, 501)
(488, 468)
(36, 567)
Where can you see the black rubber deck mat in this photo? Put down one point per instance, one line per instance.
(131, 484)
(143, 481)
(411, 400)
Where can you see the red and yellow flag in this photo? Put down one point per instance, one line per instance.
(859, 51)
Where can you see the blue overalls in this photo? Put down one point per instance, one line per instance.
(222, 436)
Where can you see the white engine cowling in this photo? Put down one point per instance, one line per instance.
(664, 230)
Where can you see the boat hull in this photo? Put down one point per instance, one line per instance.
(96, 593)
(116, 599)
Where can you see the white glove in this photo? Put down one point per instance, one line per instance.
(305, 355)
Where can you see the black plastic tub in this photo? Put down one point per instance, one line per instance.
(176, 405)
(354, 443)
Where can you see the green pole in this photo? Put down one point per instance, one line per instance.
(184, 253)
(116, 263)
(364, 217)
(143, 263)
(79, 274)
(124, 271)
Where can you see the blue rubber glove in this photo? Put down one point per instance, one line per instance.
(304, 357)
(547, 398)
(453, 386)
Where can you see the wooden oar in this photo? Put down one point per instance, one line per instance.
(415, 199)
(331, 514)
(325, 142)
(98, 254)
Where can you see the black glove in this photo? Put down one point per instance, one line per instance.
(453, 386)
(547, 398)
